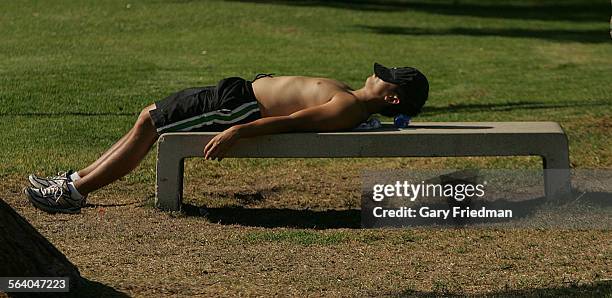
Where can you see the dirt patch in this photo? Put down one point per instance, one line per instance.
(121, 242)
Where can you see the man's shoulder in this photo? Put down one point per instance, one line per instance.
(348, 100)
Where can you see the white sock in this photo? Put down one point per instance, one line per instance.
(74, 193)
(75, 176)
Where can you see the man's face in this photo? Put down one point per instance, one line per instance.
(378, 86)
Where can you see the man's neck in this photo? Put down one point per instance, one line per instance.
(372, 103)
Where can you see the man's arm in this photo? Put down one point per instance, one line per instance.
(340, 113)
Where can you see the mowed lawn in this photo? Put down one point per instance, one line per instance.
(75, 74)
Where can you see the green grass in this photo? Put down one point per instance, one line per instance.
(301, 237)
(74, 74)
(309, 237)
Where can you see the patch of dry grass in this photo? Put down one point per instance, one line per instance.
(124, 243)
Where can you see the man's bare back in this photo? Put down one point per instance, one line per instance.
(284, 95)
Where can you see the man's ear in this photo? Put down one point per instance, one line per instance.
(392, 99)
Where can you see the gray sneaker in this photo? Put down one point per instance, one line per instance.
(55, 198)
(44, 182)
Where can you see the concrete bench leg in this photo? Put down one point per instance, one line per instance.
(169, 190)
(557, 175)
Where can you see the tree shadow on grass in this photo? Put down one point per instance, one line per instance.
(559, 35)
(507, 106)
(85, 288)
(597, 289)
(576, 11)
(89, 288)
(68, 113)
(474, 108)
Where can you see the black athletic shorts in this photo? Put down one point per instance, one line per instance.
(212, 108)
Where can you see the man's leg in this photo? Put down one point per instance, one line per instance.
(124, 158)
(84, 172)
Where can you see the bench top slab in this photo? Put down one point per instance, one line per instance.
(419, 139)
(444, 128)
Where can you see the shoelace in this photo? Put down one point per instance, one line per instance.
(56, 190)
(60, 175)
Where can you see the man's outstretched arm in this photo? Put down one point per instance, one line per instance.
(340, 113)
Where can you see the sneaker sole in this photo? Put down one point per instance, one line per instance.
(46, 208)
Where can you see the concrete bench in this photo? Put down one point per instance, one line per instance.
(424, 139)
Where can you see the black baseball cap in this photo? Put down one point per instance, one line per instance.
(413, 89)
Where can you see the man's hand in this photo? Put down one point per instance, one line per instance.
(216, 148)
(341, 112)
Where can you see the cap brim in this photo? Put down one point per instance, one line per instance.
(383, 73)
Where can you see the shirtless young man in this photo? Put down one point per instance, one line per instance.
(239, 109)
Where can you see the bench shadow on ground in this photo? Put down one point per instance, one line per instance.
(575, 11)
(276, 218)
(525, 213)
(351, 218)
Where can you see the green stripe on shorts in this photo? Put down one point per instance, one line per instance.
(214, 117)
